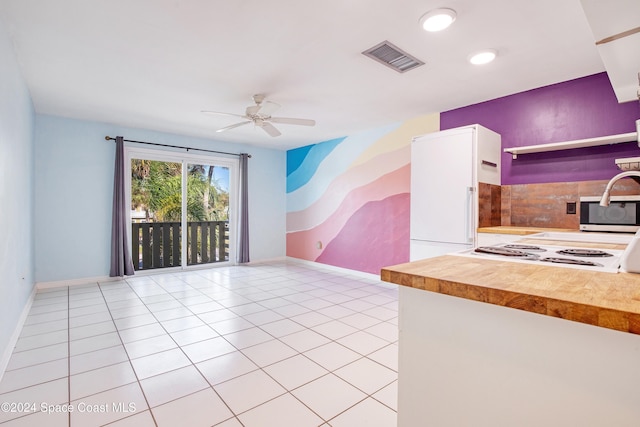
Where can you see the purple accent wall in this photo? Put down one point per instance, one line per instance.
(577, 109)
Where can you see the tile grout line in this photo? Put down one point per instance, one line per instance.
(260, 368)
(267, 284)
(179, 347)
(367, 395)
(128, 359)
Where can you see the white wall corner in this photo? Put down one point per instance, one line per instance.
(8, 351)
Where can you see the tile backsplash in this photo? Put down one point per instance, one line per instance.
(543, 205)
(490, 209)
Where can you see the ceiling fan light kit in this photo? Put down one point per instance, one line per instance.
(260, 116)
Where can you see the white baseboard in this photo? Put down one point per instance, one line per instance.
(334, 268)
(177, 270)
(76, 282)
(8, 351)
(317, 265)
(266, 260)
(142, 273)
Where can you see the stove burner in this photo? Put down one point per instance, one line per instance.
(584, 252)
(493, 250)
(524, 247)
(571, 261)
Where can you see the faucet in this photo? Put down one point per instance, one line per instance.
(606, 196)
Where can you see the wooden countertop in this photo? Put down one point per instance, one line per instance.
(521, 231)
(608, 300)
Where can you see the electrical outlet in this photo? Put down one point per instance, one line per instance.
(571, 208)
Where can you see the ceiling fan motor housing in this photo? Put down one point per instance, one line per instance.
(258, 99)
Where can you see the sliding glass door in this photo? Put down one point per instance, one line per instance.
(156, 213)
(207, 213)
(182, 209)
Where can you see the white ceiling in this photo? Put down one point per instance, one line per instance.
(155, 64)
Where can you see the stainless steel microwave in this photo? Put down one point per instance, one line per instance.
(622, 214)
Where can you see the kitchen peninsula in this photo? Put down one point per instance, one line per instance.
(494, 343)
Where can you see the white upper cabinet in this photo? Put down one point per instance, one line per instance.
(616, 31)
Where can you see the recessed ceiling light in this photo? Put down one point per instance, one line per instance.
(483, 57)
(438, 19)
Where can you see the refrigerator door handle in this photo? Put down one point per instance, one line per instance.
(469, 222)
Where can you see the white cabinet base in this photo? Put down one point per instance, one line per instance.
(420, 249)
(466, 363)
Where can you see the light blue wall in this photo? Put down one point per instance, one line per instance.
(16, 192)
(74, 187)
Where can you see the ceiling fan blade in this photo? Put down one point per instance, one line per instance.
(290, 121)
(270, 129)
(268, 108)
(252, 110)
(218, 113)
(233, 126)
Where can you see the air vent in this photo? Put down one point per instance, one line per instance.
(391, 56)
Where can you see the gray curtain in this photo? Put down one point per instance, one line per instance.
(244, 210)
(121, 263)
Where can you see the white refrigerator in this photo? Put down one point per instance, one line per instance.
(445, 170)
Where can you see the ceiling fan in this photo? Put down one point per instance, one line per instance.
(260, 116)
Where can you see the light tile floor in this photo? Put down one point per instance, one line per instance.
(273, 344)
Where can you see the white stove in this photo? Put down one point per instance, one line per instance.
(603, 260)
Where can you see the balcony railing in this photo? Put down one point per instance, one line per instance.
(157, 244)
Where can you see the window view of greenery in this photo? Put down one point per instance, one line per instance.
(156, 191)
(156, 203)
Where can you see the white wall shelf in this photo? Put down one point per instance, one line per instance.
(579, 143)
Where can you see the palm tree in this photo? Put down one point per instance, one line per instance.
(156, 186)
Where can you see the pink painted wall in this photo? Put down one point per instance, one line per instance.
(348, 199)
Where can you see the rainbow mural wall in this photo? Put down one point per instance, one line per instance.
(348, 198)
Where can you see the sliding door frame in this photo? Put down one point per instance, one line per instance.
(133, 152)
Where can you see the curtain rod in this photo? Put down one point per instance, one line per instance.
(108, 138)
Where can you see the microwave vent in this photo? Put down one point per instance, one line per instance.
(628, 164)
